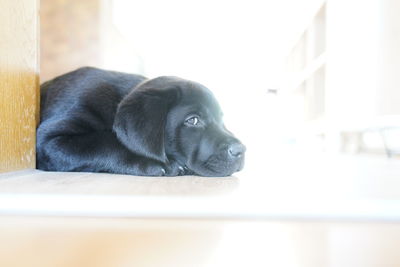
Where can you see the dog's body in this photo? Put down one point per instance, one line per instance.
(104, 121)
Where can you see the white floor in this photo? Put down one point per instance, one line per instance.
(310, 212)
(319, 187)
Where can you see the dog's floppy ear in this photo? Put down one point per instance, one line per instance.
(140, 121)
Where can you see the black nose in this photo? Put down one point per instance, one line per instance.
(236, 150)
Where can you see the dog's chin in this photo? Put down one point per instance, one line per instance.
(216, 171)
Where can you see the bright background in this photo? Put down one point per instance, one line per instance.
(236, 48)
(294, 78)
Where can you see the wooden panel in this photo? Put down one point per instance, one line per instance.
(19, 95)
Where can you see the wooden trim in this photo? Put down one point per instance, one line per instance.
(19, 83)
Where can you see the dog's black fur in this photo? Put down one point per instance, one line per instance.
(94, 120)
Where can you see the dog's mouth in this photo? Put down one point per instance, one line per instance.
(219, 167)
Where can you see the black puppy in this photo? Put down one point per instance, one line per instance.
(94, 120)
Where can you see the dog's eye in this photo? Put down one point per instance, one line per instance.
(193, 121)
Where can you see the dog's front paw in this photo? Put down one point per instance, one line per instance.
(174, 169)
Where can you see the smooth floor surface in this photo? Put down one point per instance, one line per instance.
(72, 242)
(334, 212)
(350, 188)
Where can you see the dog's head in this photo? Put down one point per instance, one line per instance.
(168, 118)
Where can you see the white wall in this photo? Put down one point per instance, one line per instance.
(363, 60)
(236, 48)
(388, 96)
